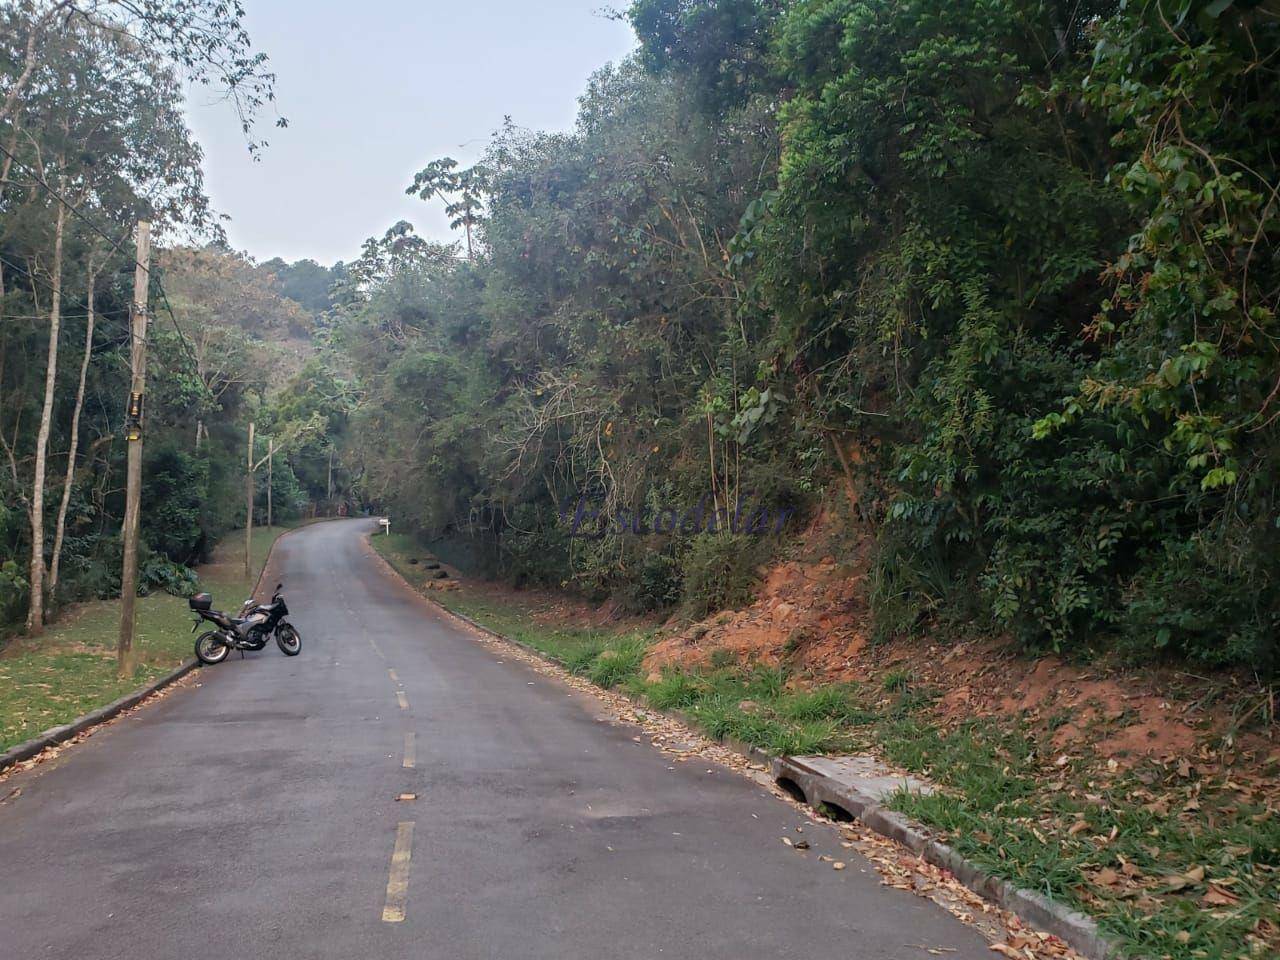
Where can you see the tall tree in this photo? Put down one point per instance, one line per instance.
(463, 191)
(101, 140)
(206, 39)
(35, 609)
(92, 271)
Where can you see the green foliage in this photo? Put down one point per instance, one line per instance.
(619, 663)
(1018, 256)
(719, 571)
(955, 180)
(174, 494)
(653, 583)
(724, 45)
(305, 282)
(13, 592)
(157, 573)
(287, 496)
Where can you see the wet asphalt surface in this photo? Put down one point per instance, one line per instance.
(255, 816)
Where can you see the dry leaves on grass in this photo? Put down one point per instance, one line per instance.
(52, 753)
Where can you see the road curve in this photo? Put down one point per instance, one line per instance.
(256, 816)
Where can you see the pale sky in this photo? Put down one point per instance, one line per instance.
(375, 90)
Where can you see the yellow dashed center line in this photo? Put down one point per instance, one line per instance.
(394, 678)
(410, 749)
(398, 881)
(402, 700)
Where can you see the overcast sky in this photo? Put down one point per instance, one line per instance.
(375, 90)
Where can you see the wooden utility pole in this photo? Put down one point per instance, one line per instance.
(271, 454)
(133, 434)
(329, 501)
(248, 511)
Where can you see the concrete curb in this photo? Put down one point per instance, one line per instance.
(1077, 930)
(56, 735)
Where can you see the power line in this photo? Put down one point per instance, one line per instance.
(71, 207)
(100, 314)
(106, 318)
(48, 286)
(115, 248)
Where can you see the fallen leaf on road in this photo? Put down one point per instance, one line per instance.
(838, 865)
(406, 796)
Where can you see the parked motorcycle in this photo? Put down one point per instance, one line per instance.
(249, 630)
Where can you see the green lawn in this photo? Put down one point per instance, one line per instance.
(1172, 863)
(71, 669)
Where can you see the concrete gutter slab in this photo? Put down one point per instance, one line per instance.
(863, 775)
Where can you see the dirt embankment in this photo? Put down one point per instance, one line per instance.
(813, 616)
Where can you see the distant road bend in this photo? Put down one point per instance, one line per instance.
(256, 816)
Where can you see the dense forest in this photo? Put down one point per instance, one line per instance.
(996, 281)
(92, 139)
(999, 279)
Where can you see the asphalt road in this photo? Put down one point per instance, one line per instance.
(256, 816)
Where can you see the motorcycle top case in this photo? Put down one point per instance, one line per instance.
(201, 601)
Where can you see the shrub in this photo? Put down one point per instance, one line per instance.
(13, 592)
(653, 583)
(719, 571)
(157, 573)
(174, 491)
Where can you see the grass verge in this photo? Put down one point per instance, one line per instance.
(1175, 860)
(71, 669)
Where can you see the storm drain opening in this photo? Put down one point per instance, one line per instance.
(792, 789)
(833, 811)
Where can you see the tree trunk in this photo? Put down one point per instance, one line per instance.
(271, 453)
(35, 612)
(75, 437)
(850, 487)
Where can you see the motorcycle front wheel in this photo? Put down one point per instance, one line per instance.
(210, 648)
(288, 640)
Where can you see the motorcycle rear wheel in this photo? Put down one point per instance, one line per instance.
(210, 648)
(289, 640)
